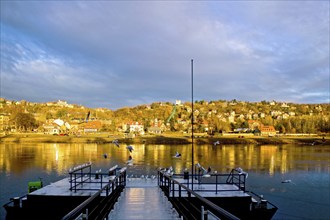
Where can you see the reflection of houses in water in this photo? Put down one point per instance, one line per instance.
(268, 157)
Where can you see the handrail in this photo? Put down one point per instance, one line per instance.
(205, 201)
(80, 207)
(240, 183)
(236, 179)
(112, 184)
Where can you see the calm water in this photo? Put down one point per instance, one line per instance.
(308, 167)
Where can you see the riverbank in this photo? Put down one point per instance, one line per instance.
(162, 139)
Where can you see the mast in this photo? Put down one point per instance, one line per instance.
(192, 123)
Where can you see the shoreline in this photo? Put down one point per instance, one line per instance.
(162, 139)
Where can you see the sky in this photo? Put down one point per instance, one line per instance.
(115, 54)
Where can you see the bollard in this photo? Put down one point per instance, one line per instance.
(16, 201)
(186, 175)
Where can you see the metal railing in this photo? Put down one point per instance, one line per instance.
(237, 177)
(82, 174)
(186, 206)
(214, 182)
(100, 204)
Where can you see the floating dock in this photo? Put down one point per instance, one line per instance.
(115, 195)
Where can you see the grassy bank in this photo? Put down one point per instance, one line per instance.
(163, 139)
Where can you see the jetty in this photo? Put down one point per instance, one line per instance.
(87, 194)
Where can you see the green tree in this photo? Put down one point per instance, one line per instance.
(49, 115)
(62, 113)
(25, 121)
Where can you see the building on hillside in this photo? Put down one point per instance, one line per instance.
(4, 122)
(51, 128)
(92, 127)
(205, 125)
(178, 102)
(135, 127)
(155, 130)
(267, 130)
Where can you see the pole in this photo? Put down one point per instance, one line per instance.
(192, 124)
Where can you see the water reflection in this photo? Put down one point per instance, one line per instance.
(267, 165)
(16, 158)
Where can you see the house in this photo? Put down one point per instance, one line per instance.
(92, 127)
(155, 130)
(51, 128)
(231, 119)
(135, 127)
(267, 130)
(4, 122)
(178, 102)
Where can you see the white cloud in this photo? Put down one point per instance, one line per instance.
(141, 51)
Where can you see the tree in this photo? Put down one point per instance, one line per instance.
(49, 115)
(25, 121)
(61, 113)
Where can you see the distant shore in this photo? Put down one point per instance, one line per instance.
(161, 139)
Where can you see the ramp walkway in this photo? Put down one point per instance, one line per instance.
(143, 199)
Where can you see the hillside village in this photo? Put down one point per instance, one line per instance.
(210, 117)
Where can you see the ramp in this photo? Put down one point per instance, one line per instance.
(138, 202)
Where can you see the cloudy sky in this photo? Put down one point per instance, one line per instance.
(114, 54)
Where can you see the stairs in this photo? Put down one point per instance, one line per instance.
(143, 203)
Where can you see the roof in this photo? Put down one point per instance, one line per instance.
(267, 128)
(93, 125)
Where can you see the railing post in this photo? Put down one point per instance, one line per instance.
(75, 182)
(216, 184)
(179, 191)
(173, 189)
(70, 181)
(202, 213)
(85, 216)
(81, 175)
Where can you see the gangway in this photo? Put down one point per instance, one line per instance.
(143, 199)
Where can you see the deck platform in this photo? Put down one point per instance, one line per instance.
(62, 188)
(211, 190)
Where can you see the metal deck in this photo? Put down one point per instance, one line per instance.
(62, 188)
(143, 199)
(211, 190)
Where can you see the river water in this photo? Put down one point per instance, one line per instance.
(308, 168)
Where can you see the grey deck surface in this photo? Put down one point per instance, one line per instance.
(143, 199)
(209, 190)
(62, 188)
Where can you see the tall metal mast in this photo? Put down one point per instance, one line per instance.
(192, 123)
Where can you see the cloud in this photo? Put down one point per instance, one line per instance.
(114, 54)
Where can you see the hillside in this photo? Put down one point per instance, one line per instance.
(211, 117)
